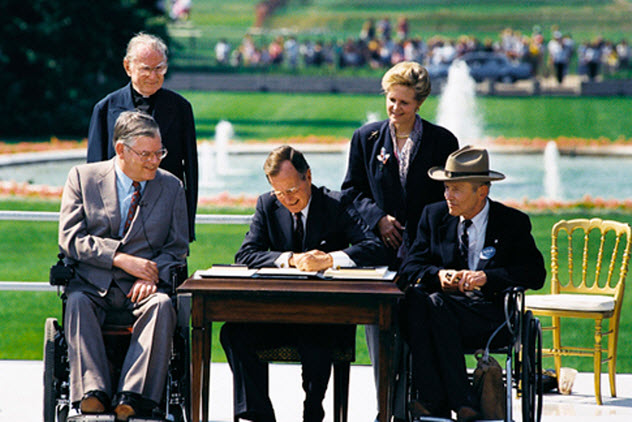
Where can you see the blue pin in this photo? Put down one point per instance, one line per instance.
(488, 252)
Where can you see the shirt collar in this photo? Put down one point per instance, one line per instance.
(479, 219)
(123, 180)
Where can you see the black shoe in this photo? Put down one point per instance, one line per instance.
(255, 417)
(467, 414)
(94, 402)
(417, 409)
(127, 404)
(395, 419)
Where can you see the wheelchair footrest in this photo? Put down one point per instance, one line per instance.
(92, 418)
(108, 418)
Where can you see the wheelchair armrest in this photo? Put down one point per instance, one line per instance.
(183, 306)
(60, 273)
(179, 273)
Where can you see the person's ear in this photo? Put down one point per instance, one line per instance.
(128, 67)
(119, 147)
(308, 176)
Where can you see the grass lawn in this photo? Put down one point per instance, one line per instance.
(32, 247)
(271, 115)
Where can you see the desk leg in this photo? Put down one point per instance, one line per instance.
(206, 375)
(197, 345)
(386, 362)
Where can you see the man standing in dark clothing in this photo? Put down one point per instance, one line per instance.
(146, 64)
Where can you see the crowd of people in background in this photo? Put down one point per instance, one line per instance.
(381, 44)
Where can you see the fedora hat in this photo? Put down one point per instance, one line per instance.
(466, 164)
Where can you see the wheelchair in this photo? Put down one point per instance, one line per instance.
(175, 405)
(519, 338)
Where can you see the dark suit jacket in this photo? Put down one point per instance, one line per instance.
(516, 262)
(174, 116)
(330, 227)
(90, 218)
(375, 188)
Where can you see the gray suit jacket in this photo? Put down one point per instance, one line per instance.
(90, 218)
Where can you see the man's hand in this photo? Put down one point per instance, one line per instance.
(390, 231)
(141, 289)
(313, 260)
(447, 280)
(141, 268)
(462, 280)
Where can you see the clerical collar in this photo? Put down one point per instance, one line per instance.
(141, 102)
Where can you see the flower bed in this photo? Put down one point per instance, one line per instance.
(228, 200)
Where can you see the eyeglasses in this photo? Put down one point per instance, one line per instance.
(148, 155)
(161, 69)
(288, 192)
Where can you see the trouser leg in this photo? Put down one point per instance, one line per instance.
(426, 376)
(441, 326)
(250, 375)
(315, 347)
(146, 363)
(89, 369)
(400, 366)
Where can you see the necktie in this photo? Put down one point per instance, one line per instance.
(132, 206)
(297, 235)
(464, 244)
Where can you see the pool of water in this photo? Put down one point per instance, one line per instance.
(605, 177)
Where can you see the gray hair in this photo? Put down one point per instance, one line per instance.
(142, 39)
(131, 125)
(279, 155)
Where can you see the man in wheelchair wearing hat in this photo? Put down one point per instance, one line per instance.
(468, 250)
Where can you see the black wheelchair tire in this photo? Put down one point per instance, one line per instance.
(50, 395)
(531, 369)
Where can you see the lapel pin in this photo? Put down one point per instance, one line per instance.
(488, 253)
(384, 156)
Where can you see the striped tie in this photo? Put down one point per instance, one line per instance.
(132, 206)
(464, 244)
(297, 235)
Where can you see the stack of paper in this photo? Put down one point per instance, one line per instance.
(227, 271)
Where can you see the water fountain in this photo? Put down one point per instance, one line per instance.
(372, 116)
(214, 159)
(552, 182)
(457, 110)
(224, 132)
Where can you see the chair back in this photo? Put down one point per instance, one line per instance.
(590, 257)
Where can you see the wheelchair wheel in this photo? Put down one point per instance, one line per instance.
(531, 369)
(53, 412)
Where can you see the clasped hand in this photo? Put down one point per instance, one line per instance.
(145, 270)
(390, 231)
(313, 260)
(461, 280)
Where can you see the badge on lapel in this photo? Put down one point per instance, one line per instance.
(488, 253)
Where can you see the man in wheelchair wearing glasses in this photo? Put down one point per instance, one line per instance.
(123, 226)
(468, 250)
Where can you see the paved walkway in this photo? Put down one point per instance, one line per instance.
(21, 396)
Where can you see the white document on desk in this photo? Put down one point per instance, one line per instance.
(360, 273)
(226, 271)
(284, 272)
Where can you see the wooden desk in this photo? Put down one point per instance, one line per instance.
(287, 301)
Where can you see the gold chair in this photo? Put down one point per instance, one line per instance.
(580, 289)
